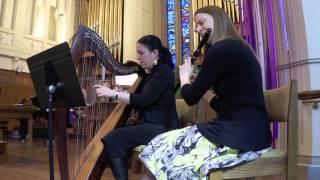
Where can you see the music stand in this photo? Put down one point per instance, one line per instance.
(56, 83)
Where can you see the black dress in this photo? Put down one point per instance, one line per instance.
(155, 102)
(232, 70)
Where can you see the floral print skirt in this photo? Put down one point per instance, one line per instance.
(185, 154)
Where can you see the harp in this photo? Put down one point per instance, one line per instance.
(91, 57)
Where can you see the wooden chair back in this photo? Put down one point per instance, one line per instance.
(282, 106)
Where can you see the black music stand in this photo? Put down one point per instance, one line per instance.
(55, 81)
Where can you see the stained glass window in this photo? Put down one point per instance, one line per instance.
(185, 27)
(171, 29)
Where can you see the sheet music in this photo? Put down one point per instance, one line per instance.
(126, 80)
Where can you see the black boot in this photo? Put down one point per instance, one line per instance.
(119, 167)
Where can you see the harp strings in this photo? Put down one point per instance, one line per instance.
(90, 119)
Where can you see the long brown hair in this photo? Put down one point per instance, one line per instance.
(223, 26)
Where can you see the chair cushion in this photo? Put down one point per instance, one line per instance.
(273, 153)
(139, 148)
(271, 163)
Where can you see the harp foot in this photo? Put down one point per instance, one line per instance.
(98, 168)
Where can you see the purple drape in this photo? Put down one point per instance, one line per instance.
(271, 53)
(271, 66)
(248, 29)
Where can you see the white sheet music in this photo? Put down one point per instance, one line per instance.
(127, 80)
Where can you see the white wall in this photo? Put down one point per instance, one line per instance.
(5, 62)
(310, 124)
(138, 21)
(315, 120)
(17, 44)
(311, 18)
(8, 13)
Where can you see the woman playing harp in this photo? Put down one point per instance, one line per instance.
(102, 115)
(154, 100)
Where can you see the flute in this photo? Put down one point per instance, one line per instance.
(203, 41)
(197, 52)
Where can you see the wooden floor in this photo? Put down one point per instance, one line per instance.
(20, 162)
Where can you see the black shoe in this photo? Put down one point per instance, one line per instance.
(119, 167)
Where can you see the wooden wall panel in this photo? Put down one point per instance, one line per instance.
(14, 87)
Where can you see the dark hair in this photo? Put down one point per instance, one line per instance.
(153, 42)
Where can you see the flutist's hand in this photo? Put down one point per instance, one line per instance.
(185, 72)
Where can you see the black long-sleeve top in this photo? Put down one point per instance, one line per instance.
(155, 99)
(232, 70)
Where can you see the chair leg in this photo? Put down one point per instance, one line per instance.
(215, 175)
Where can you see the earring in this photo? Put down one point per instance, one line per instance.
(155, 62)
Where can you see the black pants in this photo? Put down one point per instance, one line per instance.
(119, 142)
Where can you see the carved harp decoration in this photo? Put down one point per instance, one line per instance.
(89, 40)
(91, 57)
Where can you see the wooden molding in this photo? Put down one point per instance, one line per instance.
(312, 161)
(309, 94)
(298, 63)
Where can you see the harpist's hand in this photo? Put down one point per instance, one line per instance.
(119, 89)
(105, 91)
(185, 72)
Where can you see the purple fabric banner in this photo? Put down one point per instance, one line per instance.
(249, 33)
(284, 23)
(271, 66)
(271, 56)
